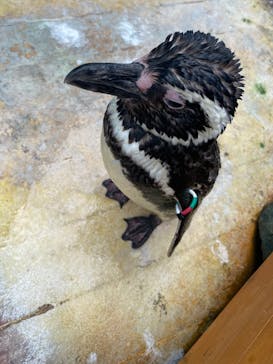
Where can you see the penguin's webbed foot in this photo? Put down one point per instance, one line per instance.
(114, 193)
(139, 229)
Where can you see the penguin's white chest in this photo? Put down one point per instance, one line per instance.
(114, 169)
(156, 169)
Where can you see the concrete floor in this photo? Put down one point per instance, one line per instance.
(71, 290)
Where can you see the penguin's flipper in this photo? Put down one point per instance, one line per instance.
(139, 229)
(181, 228)
(114, 193)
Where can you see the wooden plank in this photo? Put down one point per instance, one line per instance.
(261, 350)
(242, 333)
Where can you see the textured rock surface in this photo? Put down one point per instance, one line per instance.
(71, 290)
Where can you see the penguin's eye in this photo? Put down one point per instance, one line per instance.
(172, 104)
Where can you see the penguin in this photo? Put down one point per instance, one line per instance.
(159, 139)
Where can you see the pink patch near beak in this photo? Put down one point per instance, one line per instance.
(146, 81)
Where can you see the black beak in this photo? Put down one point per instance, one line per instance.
(109, 78)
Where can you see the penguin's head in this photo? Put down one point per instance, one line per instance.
(184, 91)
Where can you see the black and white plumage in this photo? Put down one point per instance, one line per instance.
(160, 129)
